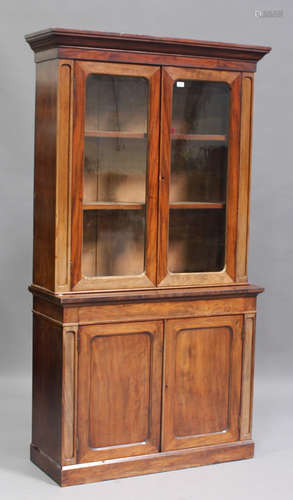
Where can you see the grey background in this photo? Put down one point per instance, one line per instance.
(271, 236)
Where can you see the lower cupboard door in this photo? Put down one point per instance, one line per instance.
(202, 382)
(119, 390)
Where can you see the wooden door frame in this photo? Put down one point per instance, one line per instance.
(151, 445)
(227, 275)
(147, 279)
(173, 326)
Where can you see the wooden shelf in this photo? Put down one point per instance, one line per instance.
(113, 206)
(115, 134)
(196, 205)
(199, 137)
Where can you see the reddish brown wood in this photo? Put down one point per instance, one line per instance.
(119, 390)
(145, 58)
(198, 137)
(77, 175)
(105, 348)
(233, 176)
(247, 376)
(43, 305)
(152, 177)
(112, 206)
(63, 176)
(48, 318)
(109, 133)
(69, 394)
(195, 206)
(166, 310)
(47, 387)
(46, 464)
(244, 177)
(201, 382)
(147, 279)
(149, 295)
(164, 185)
(56, 37)
(45, 174)
(165, 278)
(145, 464)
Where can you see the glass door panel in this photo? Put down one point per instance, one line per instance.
(199, 135)
(195, 175)
(114, 187)
(120, 108)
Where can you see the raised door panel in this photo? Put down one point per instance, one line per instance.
(202, 382)
(119, 390)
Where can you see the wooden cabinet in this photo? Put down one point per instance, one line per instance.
(143, 315)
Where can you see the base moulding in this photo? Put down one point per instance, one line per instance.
(69, 475)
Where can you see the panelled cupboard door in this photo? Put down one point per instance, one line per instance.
(202, 382)
(199, 170)
(120, 372)
(116, 125)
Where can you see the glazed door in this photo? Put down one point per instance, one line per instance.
(202, 382)
(115, 175)
(119, 387)
(199, 169)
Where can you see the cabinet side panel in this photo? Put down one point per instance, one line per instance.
(45, 174)
(47, 386)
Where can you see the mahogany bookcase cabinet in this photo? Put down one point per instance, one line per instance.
(143, 318)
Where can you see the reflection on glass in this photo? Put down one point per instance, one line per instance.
(115, 174)
(113, 242)
(200, 107)
(196, 241)
(115, 167)
(116, 103)
(199, 154)
(198, 171)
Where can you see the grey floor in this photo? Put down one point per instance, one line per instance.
(267, 476)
